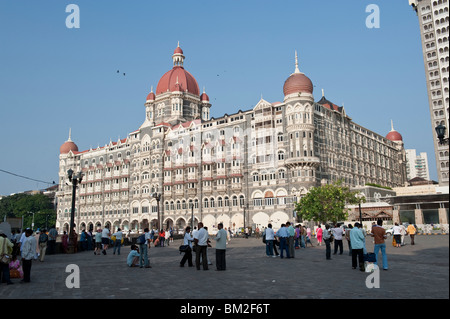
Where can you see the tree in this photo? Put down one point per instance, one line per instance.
(326, 203)
(20, 205)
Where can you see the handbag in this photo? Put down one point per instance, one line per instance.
(5, 258)
(184, 248)
(14, 273)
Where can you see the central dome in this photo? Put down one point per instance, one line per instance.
(177, 79)
(296, 83)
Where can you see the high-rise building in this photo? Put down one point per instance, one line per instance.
(434, 31)
(417, 165)
(242, 169)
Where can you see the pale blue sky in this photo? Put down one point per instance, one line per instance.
(53, 78)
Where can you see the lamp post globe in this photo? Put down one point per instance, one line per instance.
(440, 132)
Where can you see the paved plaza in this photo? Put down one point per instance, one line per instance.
(419, 271)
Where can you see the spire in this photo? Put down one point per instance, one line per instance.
(70, 134)
(178, 45)
(392, 126)
(151, 90)
(323, 93)
(296, 63)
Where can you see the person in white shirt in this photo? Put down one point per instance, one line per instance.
(270, 237)
(28, 254)
(337, 233)
(105, 239)
(118, 243)
(188, 239)
(397, 232)
(221, 245)
(201, 241)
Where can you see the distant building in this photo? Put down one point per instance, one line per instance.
(417, 165)
(434, 31)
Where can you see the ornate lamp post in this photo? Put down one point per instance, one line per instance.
(360, 197)
(158, 199)
(440, 132)
(75, 180)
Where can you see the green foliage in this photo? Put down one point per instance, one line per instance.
(379, 186)
(19, 205)
(326, 203)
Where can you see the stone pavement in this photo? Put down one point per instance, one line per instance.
(415, 272)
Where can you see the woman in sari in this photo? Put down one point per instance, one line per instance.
(64, 241)
(319, 234)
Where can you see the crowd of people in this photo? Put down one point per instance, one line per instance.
(196, 240)
(288, 238)
(21, 248)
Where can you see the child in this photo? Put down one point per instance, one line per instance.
(133, 257)
(15, 269)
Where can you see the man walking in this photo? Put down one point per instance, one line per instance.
(283, 234)
(144, 245)
(105, 239)
(291, 244)
(221, 245)
(28, 253)
(201, 244)
(411, 230)
(270, 237)
(379, 235)
(337, 233)
(358, 243)
(52, 235)
(118, 243)
(326, 239)
(43, 239)
(347, 236)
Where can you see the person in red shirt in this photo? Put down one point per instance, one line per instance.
(162, 237)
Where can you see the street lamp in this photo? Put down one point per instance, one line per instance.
(158, 198)
(360, 197)
(440, 132)
(244, 206)
(75, 180)
(192, 216)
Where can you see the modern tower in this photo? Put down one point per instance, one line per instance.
(434, 31)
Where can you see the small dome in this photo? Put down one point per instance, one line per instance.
(204, 97)
(151, 96)
(296, 83)
(178, 50)
(67, 147)
(394, 136)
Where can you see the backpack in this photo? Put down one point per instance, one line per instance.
(43, 238)
(141, 239)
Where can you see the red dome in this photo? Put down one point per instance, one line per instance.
(394, 136)
(297, 82)
(67, 147)
(151, 96)
(186, 81)
(178, 50)
(204, 97)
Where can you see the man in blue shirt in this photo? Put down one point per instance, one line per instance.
(283, 235)
(358, 243)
